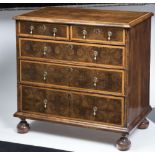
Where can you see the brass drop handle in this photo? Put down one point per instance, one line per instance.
(45, 103)
(45, 50)
(94, 111)
(109, 35)
(95, 55)
(84, 32)
(55, 30)
(31, 29)
(45, 76)
(95, 81)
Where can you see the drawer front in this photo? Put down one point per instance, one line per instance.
(100, 80)
(46, 74)
(45, 101)
(108, 35)
(97, 108)
(101, 109)
(43, 30)
(104, 81)
(94, 55)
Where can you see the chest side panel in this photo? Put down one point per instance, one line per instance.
(138, 72)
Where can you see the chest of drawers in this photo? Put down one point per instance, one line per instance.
(84, 67)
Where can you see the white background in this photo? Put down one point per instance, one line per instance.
(57, 135)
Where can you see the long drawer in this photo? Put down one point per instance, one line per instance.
(88, 54)
(82, 106)
(73, 77)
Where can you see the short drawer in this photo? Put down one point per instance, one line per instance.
(43, 30)
(72, 77)
(103, 109)
(98, 34)
(91, 55)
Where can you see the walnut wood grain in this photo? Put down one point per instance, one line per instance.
(86, 16)
(105, 80)
(70, 121)
(66, 51)
(107, 91)
(139, 71)
(43, 30)
(98, 34)
(34, 100)
(107, 110)
(73, 105)
(34, 72)
(71, 76)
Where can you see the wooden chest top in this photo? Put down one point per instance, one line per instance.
(82, 16)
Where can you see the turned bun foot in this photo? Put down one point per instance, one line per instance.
(144, 124)
(23, 127)
(123, 144)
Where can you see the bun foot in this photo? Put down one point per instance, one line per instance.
(23, 127)
(123, 144)
(144, 124)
